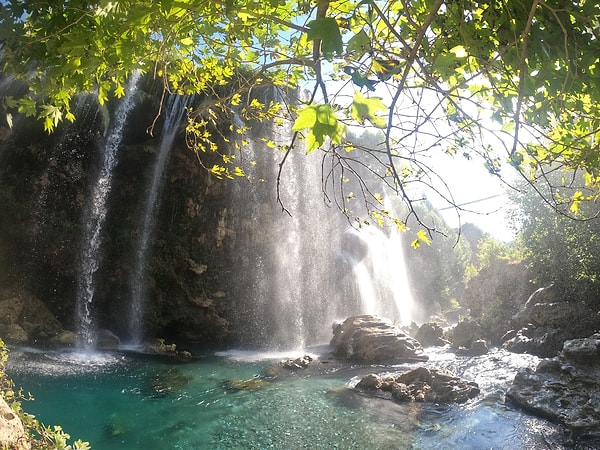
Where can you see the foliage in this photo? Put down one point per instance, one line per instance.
(490, 253)
(42, 437)
(559, 249)
(437, 270)
(500, 81)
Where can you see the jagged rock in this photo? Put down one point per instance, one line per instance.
(430, 334)
(540, 341)
(298, 363)
(566, 388)
(14, 334)
(547, 320)
(372, 339)
(465, 333)
(25, 319)
(477, 348)
(420, 385)
(64, 339)
(107, 340)
(12, 432)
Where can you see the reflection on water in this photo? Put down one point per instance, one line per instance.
(122, 402)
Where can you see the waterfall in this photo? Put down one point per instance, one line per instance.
(95, 215)
(175, 109)
(380, 273)
(300, 272)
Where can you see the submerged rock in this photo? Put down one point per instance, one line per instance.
(245, 385)
(420, 385)
(168, 381)
(372, 339)
(564, 389)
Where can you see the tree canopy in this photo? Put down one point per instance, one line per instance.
(506, 82)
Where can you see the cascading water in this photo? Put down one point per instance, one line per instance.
(95, 216)
(377, 261)
(305, 270)
(175, 110)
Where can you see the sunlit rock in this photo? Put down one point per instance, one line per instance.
(564, 389)
(298, 363)
(372, 339)
(477, 348)
(431, 334)
(465, 333)
(547, 320)
(420, 385)
(12, 433)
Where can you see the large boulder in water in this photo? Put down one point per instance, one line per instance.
(420, 385)
(372, 339)
(547, 320)
(564, 389)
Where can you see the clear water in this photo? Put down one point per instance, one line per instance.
(116, 401)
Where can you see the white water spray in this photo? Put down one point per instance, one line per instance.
(380, 274)
(175, 109)
(302, 271)
(95, 219)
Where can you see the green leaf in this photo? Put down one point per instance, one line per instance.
(367, 109)
(386, 68)
(359, 44)
(322, 123)
(307, 117)
(421, 237)
(326, 29)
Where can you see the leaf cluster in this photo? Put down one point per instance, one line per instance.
(496, 81)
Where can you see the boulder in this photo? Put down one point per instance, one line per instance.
(371, 339)
(465, 333)
(566, 388)
(25, 319)
(12, 432)
(107, 340)
(540, 341)
(477, 348)
(431, 334)
(547, 320)
(420, 385)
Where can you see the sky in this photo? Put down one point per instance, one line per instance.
(475, 188)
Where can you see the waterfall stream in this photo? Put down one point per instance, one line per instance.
(175, 109)
(94, 218)
(303, 269)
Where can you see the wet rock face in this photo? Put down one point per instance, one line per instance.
(420, 385)
(372, 339)
(24, 319)
(564, 389)
(547, 320)
(431, 334)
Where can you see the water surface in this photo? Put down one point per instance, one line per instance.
(119, 401)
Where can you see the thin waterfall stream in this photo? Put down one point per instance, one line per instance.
(175, 109)
(95, 216)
